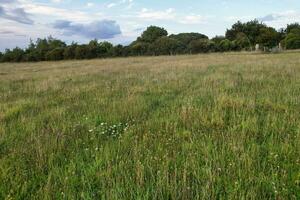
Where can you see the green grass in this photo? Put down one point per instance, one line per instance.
(216, 126)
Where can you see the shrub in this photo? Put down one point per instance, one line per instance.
(292, 41)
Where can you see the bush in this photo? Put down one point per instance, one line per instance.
(292, 41)
(201, 46)
(225, 45)
(242, 41)
(55, 54)
(165, 46)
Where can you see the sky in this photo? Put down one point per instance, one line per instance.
(121, 21)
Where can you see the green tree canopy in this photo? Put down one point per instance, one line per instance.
(201, 46)
(251, 29)
(268, 37)
(152, 33)
(292, 41)
(242, 41)
(186, 38)
(165, 46)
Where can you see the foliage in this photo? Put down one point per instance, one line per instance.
(139, 48)
(242, 41)
(156, 41)
(201, 46)
(251, 29)
(268, 37)
(55, 54)
(151, 34)
(225, 45)
(166, 46)
(292, 28)
(292, 41)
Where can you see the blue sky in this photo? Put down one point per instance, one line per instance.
(121, 21)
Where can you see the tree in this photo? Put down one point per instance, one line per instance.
(292, 41)
(105, 49)
(201, 46)
(41, 47)
(55, 54)
(242, 41)
(81, 52)
(152, 33)
(55, 43)
(165, 46)
(139, 48)
(292, 28)
(186, 38)
(7, 56)
(93, 49)
(217, 40)
(69, 51)
(225, 45)
(16, 55)
(31, 54)
(251, 29)
(118, 51)
(268, 37)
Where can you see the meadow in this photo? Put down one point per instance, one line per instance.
(211, 126)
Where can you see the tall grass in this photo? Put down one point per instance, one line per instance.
(217, 126)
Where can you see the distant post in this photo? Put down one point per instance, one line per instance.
(279, 46)
(257, 47)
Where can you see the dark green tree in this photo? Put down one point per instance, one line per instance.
(69, 51)
(268, 37)
(151, 34)
(55, 54)
(251, 29)
(105, 49)
(118, 51)
(292, 28)
(201, 46)
(139, 48)
(186, 38)
(81, 52)
(165, 46)
(226, 45)
(292, 41)
(217, 40)
(242, 41)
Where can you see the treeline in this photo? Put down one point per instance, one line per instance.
(156, 41)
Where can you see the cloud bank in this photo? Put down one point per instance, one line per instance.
(104, 29)
(15, 14)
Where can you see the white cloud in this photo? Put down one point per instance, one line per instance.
(147, 14)
(45, 10)
(111, 5)
(90, 4)
(121, 2)
(194, 19)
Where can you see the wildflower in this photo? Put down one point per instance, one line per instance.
(91, 130)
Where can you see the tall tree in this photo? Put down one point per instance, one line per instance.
(166, 46)
(292, 28)
(251, 29)
(186, 38)
(152, 33)
(201, 46)
(242, 41)
(268, 37)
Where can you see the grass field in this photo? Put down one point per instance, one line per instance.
(216, 126)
